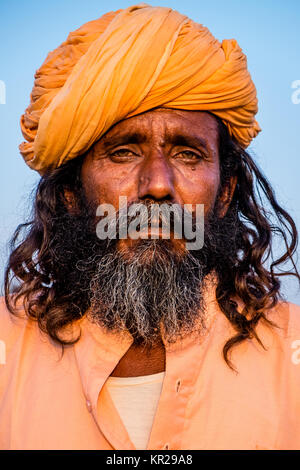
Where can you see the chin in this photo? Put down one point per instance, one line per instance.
(145, 251)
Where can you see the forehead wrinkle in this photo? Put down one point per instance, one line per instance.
(184, 127)
(172, 132)
(125, 137)
(168, 131)
(189, 118)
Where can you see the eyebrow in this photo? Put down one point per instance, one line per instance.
(187, 141)
(179, 139)
(123, 139)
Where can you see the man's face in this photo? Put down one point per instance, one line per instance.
(161, 155)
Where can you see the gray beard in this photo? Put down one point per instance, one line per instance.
(165, 293)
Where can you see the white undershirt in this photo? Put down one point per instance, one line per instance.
(136, 400)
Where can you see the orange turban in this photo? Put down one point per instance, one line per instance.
(125, 63)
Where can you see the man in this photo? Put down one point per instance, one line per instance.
(124, 342)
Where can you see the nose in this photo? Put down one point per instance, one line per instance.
(156, 178)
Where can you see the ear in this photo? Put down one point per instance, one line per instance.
(69, 200)
(226, 196)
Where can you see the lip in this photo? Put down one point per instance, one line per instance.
(155, 232)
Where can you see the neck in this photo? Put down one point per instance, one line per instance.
(139, 361)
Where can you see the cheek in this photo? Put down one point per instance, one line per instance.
(104, 184)
(201, 189)
(93, 186)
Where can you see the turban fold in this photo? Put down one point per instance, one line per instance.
(125, 63)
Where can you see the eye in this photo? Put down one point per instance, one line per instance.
(122, 155)
(189, 155)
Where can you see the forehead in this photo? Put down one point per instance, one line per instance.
(162, 122)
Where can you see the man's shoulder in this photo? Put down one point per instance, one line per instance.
(294, 317)
(7, 319)
(281, 333)
(12, 324)
(284, 339)
(287, 316)
(12, 328)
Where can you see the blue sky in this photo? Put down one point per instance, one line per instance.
(267, 31)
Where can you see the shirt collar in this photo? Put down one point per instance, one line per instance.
(98, 351)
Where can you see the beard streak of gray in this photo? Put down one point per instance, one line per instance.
(142, 297)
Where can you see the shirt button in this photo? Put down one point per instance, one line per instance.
(89, 406)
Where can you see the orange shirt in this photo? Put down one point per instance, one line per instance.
(49, 402)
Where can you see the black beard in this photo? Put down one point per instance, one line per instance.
(166, 292)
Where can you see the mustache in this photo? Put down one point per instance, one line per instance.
(183, 221)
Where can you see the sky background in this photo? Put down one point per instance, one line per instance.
(267, 31)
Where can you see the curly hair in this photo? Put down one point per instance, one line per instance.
(251, 272)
